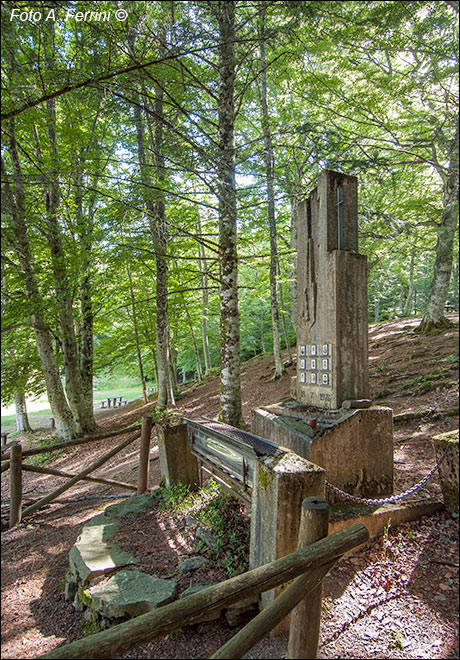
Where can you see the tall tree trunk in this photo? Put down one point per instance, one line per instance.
(136, 337)
(292, 275)
(262, 323)
(22, 419)
(205, 300)
(86, 357)
(65, 425)
(230, 386)
(270, 179)
(434, 316)
(283, 320)
(158, 228)
(410, 294)
(191, 328)
(61, 281)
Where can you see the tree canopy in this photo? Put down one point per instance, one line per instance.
(152, 158)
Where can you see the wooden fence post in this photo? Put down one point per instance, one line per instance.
(146, 432)
(15, 483)
(306, 616)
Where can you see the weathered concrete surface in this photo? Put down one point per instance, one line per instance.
(90, 560)
(281, 483)
(377, 518)
(331, 296)
(133, 504)
(131, 593)
(357, 454)
(448, 470)
(356, 451)
(177, 463)
(286, 432)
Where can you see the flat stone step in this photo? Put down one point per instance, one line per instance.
(131, 593)
(98, 529)
(133, 504)
(90, 560)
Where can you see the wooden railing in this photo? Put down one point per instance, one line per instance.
(307, 567)
(13, 455)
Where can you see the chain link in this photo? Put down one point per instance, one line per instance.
(394, 498)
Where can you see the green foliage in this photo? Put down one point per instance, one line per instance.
(364, 88)
(218, 512)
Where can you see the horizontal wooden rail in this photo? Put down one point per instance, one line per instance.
(59, 473)
(5, 466)
(78, 441)
(79, 476)
(272, 615)
(111, 643)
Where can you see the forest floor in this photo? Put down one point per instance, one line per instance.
(395, 598)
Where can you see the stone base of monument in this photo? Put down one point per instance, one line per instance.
(354, 446)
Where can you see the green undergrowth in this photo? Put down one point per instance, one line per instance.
(217, 512)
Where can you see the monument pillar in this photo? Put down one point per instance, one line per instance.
(330, 420)
(332, 361)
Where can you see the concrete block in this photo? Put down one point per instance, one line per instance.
(448, 470)
(177, 463)
(378, 517)
(355, 448)
(281, 484)
(357, 454)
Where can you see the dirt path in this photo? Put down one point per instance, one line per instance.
(397, 598)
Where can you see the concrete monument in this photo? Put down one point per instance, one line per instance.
(330, 420)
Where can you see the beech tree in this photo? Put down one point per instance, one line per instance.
(197, 127)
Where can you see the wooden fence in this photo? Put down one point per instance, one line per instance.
(14, 462)
(307, 567)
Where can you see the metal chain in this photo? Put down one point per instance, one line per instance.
(394, 498)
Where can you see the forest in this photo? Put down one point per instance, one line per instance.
(154, 153)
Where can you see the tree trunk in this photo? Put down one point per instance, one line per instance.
(410, 294)
(434, 316)
(158, 228)
(65, 425)
(292, 274)
(283, 319)
(86, 357)
(136, 337)
(22, 419)
(204, 318)
(270, 179)
(262, 323)
(196, 349)
(230, 386)
(61, 281)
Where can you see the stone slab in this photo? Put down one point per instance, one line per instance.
(133, 504)
(132, 593)
(99, 529)
(90, 560)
